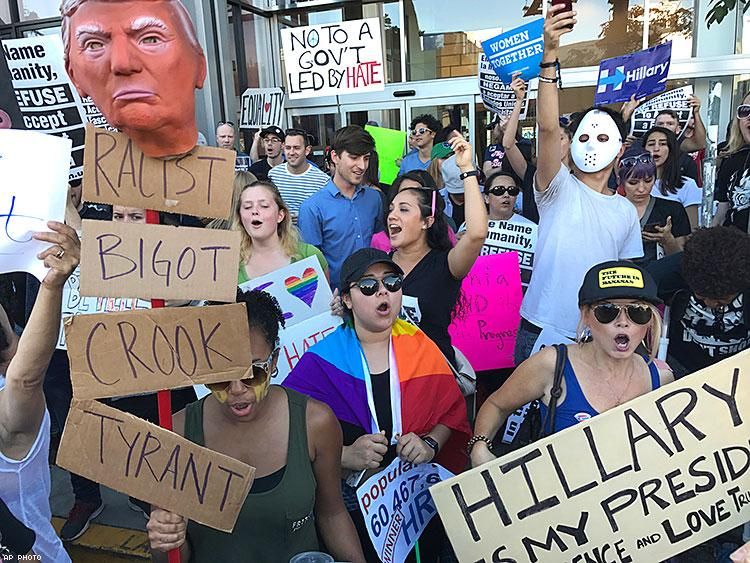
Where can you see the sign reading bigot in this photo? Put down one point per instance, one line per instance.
(116, 354)
(140, 459)
(637, 484)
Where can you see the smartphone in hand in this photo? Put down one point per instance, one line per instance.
(568, 6)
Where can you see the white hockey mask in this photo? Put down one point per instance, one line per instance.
(596, 142)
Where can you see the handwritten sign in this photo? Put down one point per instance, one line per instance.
(517, 235)
(116, 171)
(74, 304)
(30, 195)
(497, 97)
(397, 506)
(158, 262)
(262, 107)
(140, 459)
(486, 334)
(644, 117)
(332, 59)
(297, 339)
(518, 50)
(116, 354)
(389, 143)
(639, 483)
(636, 74)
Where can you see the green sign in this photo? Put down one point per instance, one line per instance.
(390, 146)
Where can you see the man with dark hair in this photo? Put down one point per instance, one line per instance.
(273, 143)
(342, 217)
(423, 128)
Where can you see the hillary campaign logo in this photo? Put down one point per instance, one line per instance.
(640, 74)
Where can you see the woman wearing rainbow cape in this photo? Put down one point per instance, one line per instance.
(388, 384)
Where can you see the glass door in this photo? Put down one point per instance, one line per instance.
(457, 111)
(380, 114)
(320, 122)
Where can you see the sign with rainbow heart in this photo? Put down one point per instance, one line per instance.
(301, 289)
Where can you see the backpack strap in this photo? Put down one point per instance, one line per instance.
(556, 391)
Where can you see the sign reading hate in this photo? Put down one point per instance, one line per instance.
(158, 262)
(262, 107)
(140, 459)
(331, 59)
(637, 484)
(116, 171)
(116, 354)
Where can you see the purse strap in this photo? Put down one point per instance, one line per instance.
(556, 391)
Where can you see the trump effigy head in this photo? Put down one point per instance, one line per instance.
(140, 61)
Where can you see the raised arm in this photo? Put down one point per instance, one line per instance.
(548, 106)
(512, 152)
(698, 140)
(254, 152)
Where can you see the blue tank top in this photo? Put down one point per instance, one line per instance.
(576, 408)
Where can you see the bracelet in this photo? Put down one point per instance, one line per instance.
(549, 80)
(478, 438)
(553, 64)
(465, 175)
(558, 75)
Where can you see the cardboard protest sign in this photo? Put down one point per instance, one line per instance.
(397, 506)
(332, 59)
(636, 74)
(261, 107)
(517, 235)
(140, 459)
(295, 340)
(301, 289)
(389, 143)
(117, 172)
(497, 97)
(158, 262)
(518, 50)
(486, 334)
(74, 304)
(640, 483)
(10, 114)
(116, 354)
(644, 117)
(30, 195)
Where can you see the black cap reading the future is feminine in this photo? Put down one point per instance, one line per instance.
(356, 265)
(617, 280)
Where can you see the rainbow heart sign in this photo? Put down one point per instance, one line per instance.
(303, 288)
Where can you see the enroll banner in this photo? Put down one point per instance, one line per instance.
(519, 50)
(640, 483)
(331, 59)
(637, 74)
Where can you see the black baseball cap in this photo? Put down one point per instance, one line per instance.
(617, 279)
(272, 130)
(356, 265)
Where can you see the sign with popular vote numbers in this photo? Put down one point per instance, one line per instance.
(332, 59)
(31, 193)
(639, 483)
(497, 97)
(117, 354)
(397, 506)
(74, 304)
(140, 459)
(296, 339)
(261, 107)
(116, 171)
(486, 333)
(677, 100)
(389, 144)
(636, 74)
(158, 261)
(517, 51)
(517, 235)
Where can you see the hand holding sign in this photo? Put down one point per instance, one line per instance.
(166, 530)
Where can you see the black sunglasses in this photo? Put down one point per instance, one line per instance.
(743, 111)
(631, 161)
(225, 123)
(608, 312)
(369, 286)
(501, 190)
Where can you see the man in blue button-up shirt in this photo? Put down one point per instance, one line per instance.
(342, 217)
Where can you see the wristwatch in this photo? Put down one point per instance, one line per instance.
(432, 442)
(465, 175)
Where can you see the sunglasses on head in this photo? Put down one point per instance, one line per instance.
(261, 373)
(225, 123)
(369, 286)
(421, 131)
(501, 190)
(631, 161)
(608, 312)
(743, 111)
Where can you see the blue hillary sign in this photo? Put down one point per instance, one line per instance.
(518, 51)
(640, 74)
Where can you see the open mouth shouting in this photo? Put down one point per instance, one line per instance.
(622, 342)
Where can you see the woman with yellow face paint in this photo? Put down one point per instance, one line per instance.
(293, 442)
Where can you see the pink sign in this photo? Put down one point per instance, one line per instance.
(486, 333)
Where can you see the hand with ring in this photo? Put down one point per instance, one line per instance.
(63, 256)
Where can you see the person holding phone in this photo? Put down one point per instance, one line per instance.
(733, 180)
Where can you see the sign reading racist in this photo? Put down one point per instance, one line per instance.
(158, 262)
(116, 354)
(331, 59)
(637, 484)
(262, 107)
(116, 171)
(140, 459)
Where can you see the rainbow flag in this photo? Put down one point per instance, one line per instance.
(331, 371)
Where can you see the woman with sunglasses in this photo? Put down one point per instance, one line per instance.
(733, 180)
(387, 383)
(293, 442)
(664, 223)
(603, 370)
(662, 144)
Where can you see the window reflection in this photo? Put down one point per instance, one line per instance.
(38, 9)
(4, 12)
(672, 20)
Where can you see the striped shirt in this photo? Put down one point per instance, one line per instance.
(296, 188)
